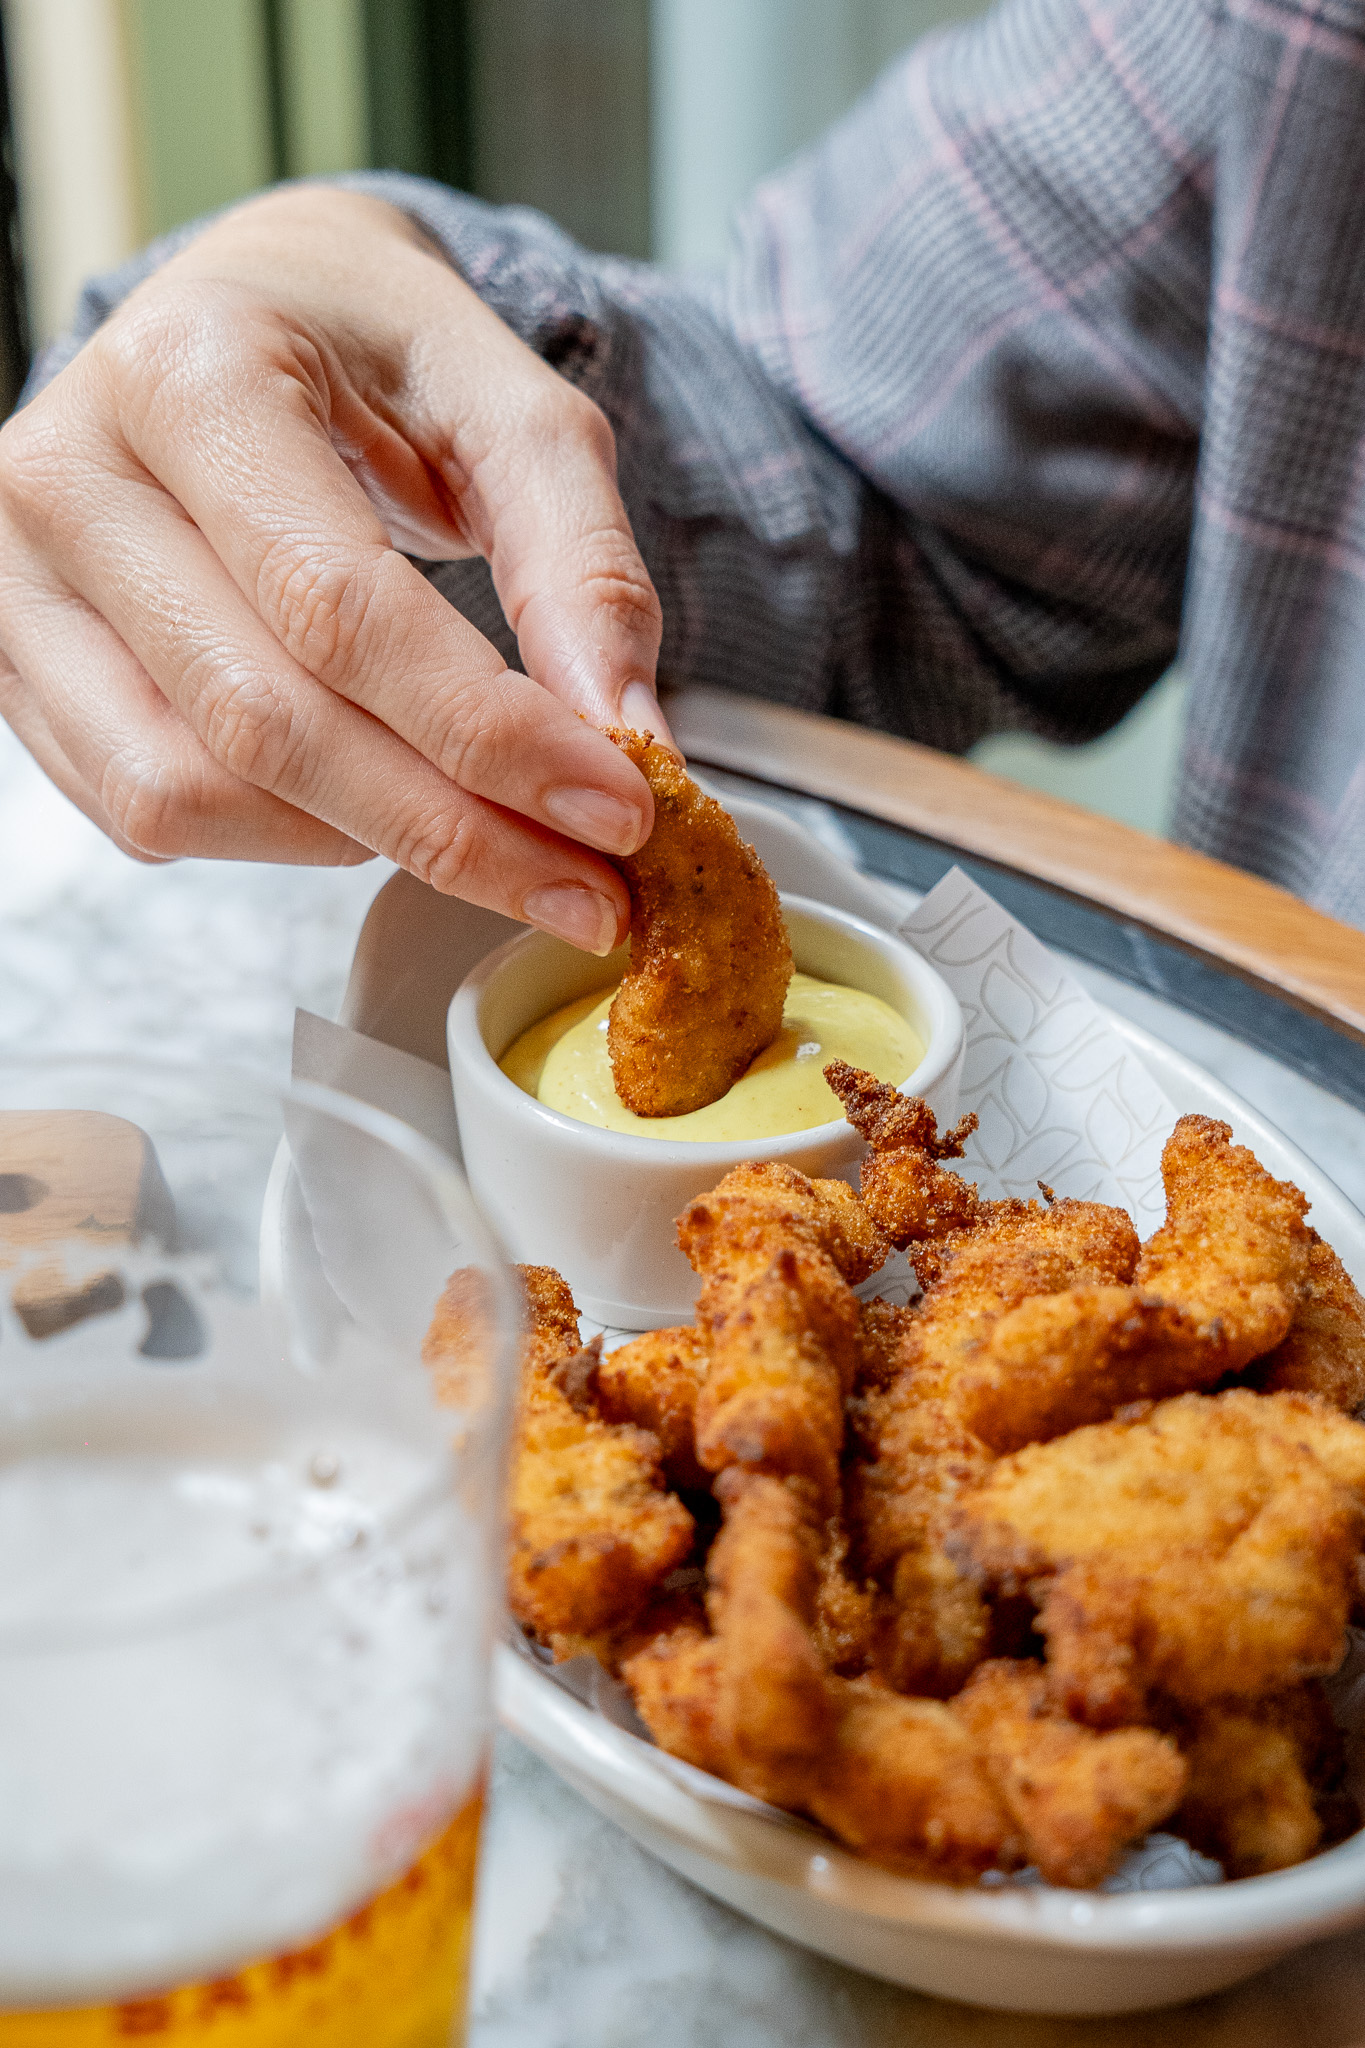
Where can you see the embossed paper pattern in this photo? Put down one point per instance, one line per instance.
(1059, 1095)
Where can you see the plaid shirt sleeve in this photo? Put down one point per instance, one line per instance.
(1049, 359)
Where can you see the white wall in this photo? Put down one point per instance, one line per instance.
(740, 84)
(72, 140)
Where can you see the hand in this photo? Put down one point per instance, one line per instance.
(207, 636)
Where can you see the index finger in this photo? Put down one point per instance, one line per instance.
(238, 430)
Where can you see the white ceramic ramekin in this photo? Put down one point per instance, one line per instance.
(601, 1206)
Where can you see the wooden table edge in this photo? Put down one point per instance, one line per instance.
(1249, 924)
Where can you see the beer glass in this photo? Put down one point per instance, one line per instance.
(251, 1448)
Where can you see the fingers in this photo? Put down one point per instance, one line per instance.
(166, 794)
(250, 464)
(475, 444)
(19, 709)
(106, 736)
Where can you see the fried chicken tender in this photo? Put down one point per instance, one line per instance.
(1263, 1783)
(1233, 1251)
(777, 1253)
(461, 1344)
(653, 1381)
(1324, 1352)
(900, 1781)
(1205, 1549)
(906, 1192)
(845, 1608)
(883, 1328)
(920, 1454)
(1078, 1798)
(903, 1782)
(674, 1681)
(774, 1709)
(1215, 1287)
(709, 956)
(592, 1530)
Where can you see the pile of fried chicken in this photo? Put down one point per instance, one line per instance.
(1056, 1555)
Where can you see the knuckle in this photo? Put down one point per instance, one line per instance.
(316, 605)
(33, 458)
(617, 582)
(441, 851)
(149, 808)
(584, 418)
(157, 351)
(253, 733)
(470, 744)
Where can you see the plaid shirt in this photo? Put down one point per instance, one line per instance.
(1044, 364)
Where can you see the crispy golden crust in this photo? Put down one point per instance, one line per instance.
(653, 1381)
(710, 960)
(1249, 1802)
(675, 1684)
(763, 1577)
(1213, 1288)
(775, 1252)
(1233, 1252)
(1077, 1798)
(904, 1190)
(882, 1331)
(920, 1453)
(1324, 1352)
(460, 1346)
(1205, 1549)
(845, 1608)
(903, 1783)
(899, 1780)
(592, 1531)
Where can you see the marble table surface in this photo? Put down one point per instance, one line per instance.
(583, 1940)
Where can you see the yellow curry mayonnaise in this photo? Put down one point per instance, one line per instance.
(563, 1061)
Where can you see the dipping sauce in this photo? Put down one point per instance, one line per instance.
(563, 1061)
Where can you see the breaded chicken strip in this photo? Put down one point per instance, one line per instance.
(460, 1348)
(653, 1381)
(919, 1453)
(1078, 1798)
(777, 1253)
(1324, 1352)
(763, 1572)
(1215, 1287)
(1204, 1550)
(592, 1532)
(899, 1780)
(1232, 1254)
(906, 1192)
(883, 1328)
(709, 956)
(845, 1607)
(1264, 1778)
(674, 1681)
(904, 1783)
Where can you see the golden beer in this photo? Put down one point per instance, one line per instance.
(392, 1975)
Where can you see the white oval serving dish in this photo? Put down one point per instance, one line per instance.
(1022, 1949)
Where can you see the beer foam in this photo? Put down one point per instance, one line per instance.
(237, 1696)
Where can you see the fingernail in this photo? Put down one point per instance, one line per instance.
(597, 819)
(640, 711)
(570, 911)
